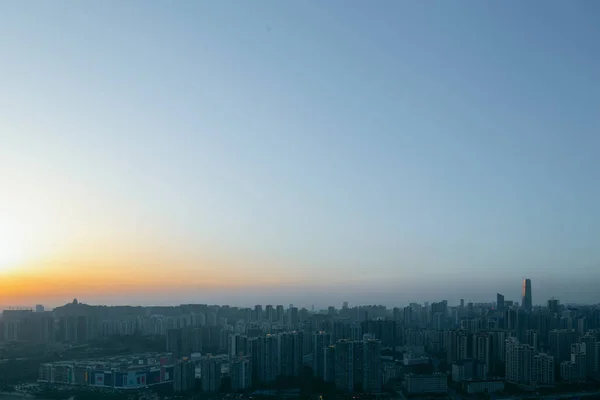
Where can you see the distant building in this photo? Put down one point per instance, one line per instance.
(264, 352)
(289, 353)
(430, 383)
(527, 300)
(553, 305)
(468, 370)
(280, 314)
(124, 372)
(269, 313)
(519, 358)
(591, 353)
(258, 313)
(578, 359)
(409, 359)
(568, 371)
(483, 386)
(344, 365)
(240, 372)
(175, 342)
(329, 369)
(321, 340)
(184, 376)
(372, 368)
(39, 308)
(499, 302)
(559, 342)
(210, 373)
(543, 369)
(292, 317)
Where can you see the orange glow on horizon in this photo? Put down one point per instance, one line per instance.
(107, 277)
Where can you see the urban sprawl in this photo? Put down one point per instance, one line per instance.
(420, 349)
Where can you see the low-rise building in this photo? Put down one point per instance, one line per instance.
(483, 386)
(426, 383)
(414, 359)
(117, 372)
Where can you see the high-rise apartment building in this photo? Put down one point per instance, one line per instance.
(290, 353)
(519, 359)
(543, 369)
(329, 370)
(280, 313)
(292, 317)
(591, 353)
(499, 302)
(344, 365)
(210, 374)
(578, 357)
(263, 353)
(560, 341)
(321, 340)
(482, 349)
(372, 370)
(238, 346)
(358, 360)
(553, 305)
(175, 342)
(258, 313)
(527, 300)
(240, 372)
(531, 338)
(184, 376)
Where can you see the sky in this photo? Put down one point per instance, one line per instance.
(307, 152)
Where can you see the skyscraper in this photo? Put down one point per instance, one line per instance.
(527, 304)
(499, 302)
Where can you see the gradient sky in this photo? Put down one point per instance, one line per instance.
(302, 152)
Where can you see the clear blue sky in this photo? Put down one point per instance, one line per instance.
(424, 149)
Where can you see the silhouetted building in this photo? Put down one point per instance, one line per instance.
(527, 300)
(499, 302)
(553, 305)
(292, 317)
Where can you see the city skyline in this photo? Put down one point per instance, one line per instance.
(288, 301)
(420, 348)
(158, 153)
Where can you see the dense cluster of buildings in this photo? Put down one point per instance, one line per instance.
(480, 345)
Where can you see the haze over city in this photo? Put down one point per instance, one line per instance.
(298, 152)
